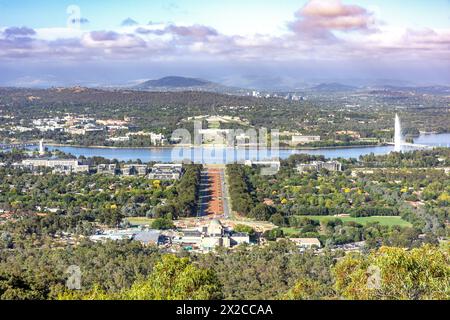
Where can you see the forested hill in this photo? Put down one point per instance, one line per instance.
(86, 96)
(322, 115)
(148, 110)
(175, 82)
(333, 87)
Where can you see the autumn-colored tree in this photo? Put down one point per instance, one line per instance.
(395, 273)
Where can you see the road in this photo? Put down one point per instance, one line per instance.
(213, 198)
(226, 196)
(204, 194)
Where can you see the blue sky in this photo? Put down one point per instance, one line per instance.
(228, 38)
(228, 15)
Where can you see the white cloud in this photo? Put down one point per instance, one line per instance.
(325, 29)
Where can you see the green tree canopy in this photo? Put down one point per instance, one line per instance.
(172, 278)
(395, 273)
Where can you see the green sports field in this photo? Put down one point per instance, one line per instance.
(386, 221)
(139, 221)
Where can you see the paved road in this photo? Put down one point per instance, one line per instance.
(204, 194)
(210, 199)
(226, 197)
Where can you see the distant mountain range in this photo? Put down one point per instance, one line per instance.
(333, 87)
(439, 90)
(388, 89)
(176, 83)
(243, 84)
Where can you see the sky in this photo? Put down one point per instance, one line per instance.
(253, 43)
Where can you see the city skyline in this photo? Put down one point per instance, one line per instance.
(45, 43)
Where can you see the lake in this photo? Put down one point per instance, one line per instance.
(222, 155)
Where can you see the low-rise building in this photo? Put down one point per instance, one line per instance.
(141, 169)
(162, 171)
(318, 165)
(299, 139)
(215, 228)
(111, 122)
(273, 165)
(348, 247)
(215, 136)
(134, 169)
(157, 139)
(148, 237)
(243, 139)
(115, 235)
(107, 169)
(71, 169)
(350, 133)
(82, 129)
(210, 243)
(207, 238)
(189, 238)
(81, 168)
(332, 166)
(50, 163)
(306, 243)
(144, 236)
(58, 165)
(119, 139)
(237, 238)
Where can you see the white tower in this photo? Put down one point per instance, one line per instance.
(41, 147)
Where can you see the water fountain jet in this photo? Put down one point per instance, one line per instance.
(398, 138)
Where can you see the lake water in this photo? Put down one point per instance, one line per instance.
(435, 140)
(222, 155)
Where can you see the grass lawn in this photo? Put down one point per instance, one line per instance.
(289, 231)
(139, 221)
(214, 125)
(386, 221)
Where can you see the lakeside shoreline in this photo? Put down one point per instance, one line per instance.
(216, 146)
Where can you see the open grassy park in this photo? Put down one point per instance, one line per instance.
(386, 221)
(139, 221)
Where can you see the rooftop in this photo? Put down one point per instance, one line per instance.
(148, 236)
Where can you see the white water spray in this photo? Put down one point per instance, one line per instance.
(41, 147)
(398, 139)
